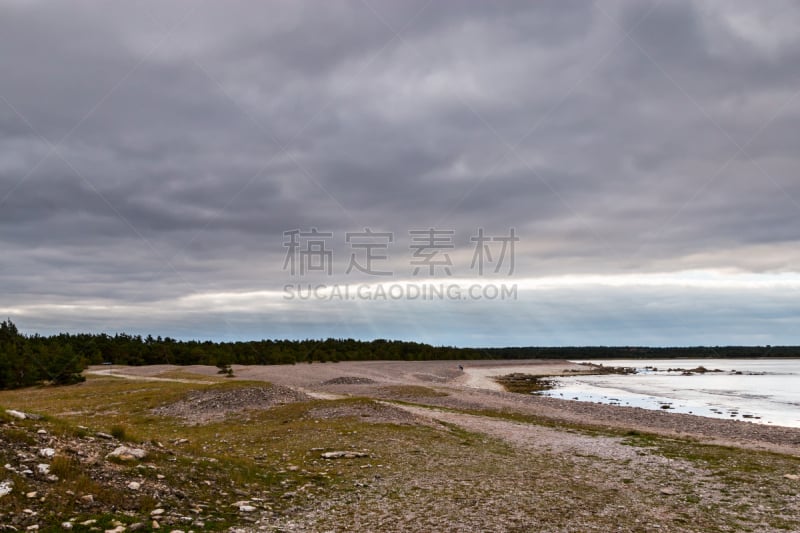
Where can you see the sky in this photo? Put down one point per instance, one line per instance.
(462, 173)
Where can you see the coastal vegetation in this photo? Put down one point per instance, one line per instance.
(30, 359)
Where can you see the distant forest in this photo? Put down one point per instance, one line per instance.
(60, 359)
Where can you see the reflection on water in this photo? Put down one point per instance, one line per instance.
(765, 391)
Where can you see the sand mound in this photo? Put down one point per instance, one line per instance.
(213, 405)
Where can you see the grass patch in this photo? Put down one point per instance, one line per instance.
(66, 468)
(5, 418)
(19, 436)
(119, 432)
(411, 391)
(726, 461)
(182, 374)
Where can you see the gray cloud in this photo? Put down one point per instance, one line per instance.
(618, 137)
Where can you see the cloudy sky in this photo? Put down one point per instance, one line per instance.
(155, 158)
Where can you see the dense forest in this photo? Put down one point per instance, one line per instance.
(30, 359)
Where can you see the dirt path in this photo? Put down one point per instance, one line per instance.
(531, 436)
(115, 373)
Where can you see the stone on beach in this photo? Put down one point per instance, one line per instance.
(124, 453)
(343, 455)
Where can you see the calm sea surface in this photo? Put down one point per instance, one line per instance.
(764, 391)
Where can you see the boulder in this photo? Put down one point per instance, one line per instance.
(125, 453)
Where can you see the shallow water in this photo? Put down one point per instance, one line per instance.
(765, 391)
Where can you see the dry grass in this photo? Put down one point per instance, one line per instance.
(409, 392)
(182, 374)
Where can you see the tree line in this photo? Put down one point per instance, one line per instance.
(31, 359)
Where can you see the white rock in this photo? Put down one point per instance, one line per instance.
(240, 503)
(16, 414)
(66, 525)
(125, 453)
(31, 494)
(34, 527)
(157, 512)
(47, 453)
(43, 469)
(343, 455)
(6, 487)
(246, 508)
(134, 485)
(118, 529)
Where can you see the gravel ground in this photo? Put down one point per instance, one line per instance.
(712, 430)
(202, 407)
(508, 475)
(474, 389)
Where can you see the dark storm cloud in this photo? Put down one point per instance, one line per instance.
(156, 150)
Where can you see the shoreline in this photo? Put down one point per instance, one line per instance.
(474, 389)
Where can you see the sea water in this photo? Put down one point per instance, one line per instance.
(765, 391)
